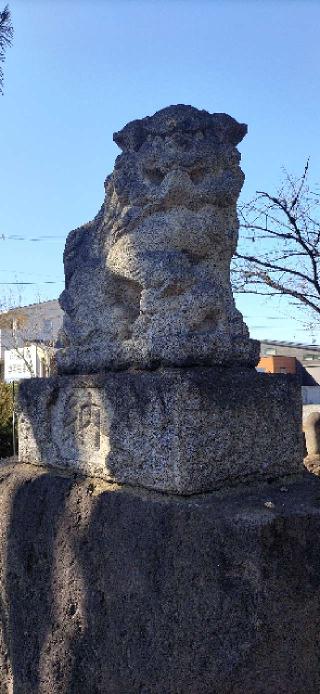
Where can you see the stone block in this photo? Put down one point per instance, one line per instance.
(173, 430)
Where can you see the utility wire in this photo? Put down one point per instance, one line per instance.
(33, 283)
(14, 237)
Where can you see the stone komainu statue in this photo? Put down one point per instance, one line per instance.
(147, 286)
(148, 280)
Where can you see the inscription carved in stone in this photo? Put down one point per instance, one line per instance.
(80, 422)
(82, 419)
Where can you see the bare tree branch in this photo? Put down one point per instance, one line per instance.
(6, 34)
(290, 222)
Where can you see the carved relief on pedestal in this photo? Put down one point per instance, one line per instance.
(27, 441)
(80, 425)
(82, 419)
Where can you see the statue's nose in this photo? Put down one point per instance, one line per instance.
(177, 176)
(177, 182)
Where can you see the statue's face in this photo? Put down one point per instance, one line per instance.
(181, 169)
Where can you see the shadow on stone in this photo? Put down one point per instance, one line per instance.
(36, 508)
(209, 595)
(114, 590)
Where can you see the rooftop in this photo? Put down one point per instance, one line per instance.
(283, 343)
(39, 304)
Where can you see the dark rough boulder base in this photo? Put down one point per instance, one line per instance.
(114, 590)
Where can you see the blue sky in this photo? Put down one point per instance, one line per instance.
(80, 69)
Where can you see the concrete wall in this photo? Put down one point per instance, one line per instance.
(314, 371)
(311, 395)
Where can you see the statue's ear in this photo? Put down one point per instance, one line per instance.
(226, 128)
(131, 137)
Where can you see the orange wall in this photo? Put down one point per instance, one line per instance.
(274, 364)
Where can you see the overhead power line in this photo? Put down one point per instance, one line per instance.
(33, 283)
(14, 237)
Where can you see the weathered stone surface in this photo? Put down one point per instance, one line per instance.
(147, 281)
(175, 430)
(110, 590)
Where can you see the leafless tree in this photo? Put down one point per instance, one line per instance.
(279, 248)
(6, 34)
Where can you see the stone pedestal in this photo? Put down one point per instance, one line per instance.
(174, 430)
(114, 590)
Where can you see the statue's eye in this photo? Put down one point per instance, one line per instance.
(197, 175)
(155, 176)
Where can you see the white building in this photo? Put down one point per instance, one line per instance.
(26, 334)
(26, 362)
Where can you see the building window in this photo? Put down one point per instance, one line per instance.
(311, 357)
(270, 351)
